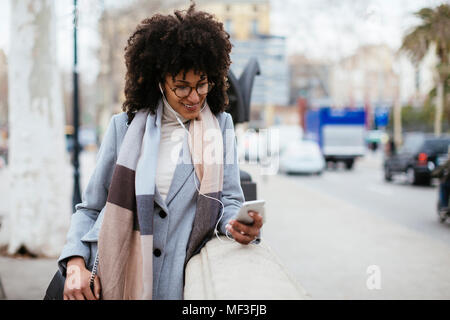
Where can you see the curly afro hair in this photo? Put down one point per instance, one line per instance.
(167, 45)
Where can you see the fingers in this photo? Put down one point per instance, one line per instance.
(84, 293)
(87, 292)
(97, 287)
(79, 296)
(238, 236)
(243, 233)
(251, 231)
(257, 219)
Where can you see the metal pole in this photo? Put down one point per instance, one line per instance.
(76, 147)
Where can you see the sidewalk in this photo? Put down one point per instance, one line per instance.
(24, 277)
(331, 246)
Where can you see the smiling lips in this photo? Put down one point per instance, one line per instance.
(191, 107)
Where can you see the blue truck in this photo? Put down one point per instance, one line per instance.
(340, 133)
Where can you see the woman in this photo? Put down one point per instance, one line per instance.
(167, 173)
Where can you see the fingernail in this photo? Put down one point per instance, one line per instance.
(251, 213)
(228, 226)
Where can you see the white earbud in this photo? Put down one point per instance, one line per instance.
(171, 110)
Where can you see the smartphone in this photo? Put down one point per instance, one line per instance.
(255, 205)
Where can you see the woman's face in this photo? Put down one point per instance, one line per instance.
(189, 106)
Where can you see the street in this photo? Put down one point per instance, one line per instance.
(332, 230)
(364, 187)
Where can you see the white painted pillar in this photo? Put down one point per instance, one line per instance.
(40, 186)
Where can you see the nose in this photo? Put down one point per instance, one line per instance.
(193, 97)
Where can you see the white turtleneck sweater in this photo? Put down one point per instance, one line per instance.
(172, 134)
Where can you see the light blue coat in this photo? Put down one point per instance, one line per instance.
(172, 229)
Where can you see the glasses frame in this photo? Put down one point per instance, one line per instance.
(210, 87)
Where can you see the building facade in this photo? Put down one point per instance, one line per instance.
(271, 87)
(309, 79)
(376, 75)
(248, 23)
(365, 78)
(243, 19)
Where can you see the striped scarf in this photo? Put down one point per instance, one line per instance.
(125, 245)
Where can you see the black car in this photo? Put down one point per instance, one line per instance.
(417, 157)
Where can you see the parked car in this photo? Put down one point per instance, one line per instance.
(302, 156)
(286, 134)
(417, 157)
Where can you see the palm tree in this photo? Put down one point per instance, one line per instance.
(434, 30)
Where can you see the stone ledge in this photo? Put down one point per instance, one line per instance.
(226, 270)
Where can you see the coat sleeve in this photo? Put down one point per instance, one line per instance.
(232, 194)
(93, 200)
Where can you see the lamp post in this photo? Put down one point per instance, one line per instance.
(397, 112)
(76, 147)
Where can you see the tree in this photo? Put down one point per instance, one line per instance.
(434, 30)
(115, 26)
(446, 109)
(38, 165)
(3, 89)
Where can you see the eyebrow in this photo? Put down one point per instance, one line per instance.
(203, 77)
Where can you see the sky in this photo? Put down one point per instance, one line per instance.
(319, 29)
(332, 29)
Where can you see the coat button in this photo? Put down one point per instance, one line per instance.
(162, 214)
(157, 252)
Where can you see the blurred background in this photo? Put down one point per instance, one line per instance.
(350, 110)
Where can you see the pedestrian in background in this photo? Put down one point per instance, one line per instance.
(443, 173)
(390, 147)
(146, 212)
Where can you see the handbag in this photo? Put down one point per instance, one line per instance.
(55, 290)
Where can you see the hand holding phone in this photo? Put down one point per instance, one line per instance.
(255, 205)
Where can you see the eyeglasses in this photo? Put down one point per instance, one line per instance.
(185, 91)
